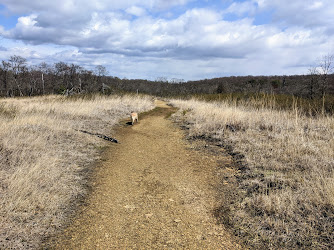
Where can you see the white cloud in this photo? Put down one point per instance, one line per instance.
(77, 6)
(316, 5)
(106, 31)
(302, 13)
(27, 20)
(136, 11)
(241, 8)
(293, 38)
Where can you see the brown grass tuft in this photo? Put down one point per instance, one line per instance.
(286, 192)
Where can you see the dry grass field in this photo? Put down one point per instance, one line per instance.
(285, 194)
(45, 161)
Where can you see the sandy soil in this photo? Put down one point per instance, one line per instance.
(153, 191)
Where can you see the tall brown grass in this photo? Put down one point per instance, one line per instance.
(285, 196)
(45, 161)
(311, 107)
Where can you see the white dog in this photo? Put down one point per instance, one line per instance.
(134, 117)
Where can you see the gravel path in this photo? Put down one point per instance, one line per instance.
(152, 192)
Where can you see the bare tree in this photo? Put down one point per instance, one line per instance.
(18, 66)
(101, 70)
(62, 71)
(44, 69)
(313, 82)
(326, 67)
(5, 77)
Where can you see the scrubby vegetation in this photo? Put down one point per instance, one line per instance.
(285, 194)
(45, 160)
(18, 78)
(306, 106)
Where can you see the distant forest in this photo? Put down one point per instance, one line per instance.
(19, 79)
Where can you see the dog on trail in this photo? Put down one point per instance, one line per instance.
(134, 117)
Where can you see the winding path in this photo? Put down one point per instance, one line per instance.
(152, 192)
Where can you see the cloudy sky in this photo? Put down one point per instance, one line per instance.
(188, 39)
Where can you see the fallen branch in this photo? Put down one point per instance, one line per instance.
(104, 137)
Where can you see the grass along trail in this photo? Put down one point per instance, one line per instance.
(152, 191)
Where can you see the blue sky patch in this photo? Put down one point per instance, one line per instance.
(6, 20)
(263, 18)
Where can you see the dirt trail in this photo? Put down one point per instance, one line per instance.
(152, 192)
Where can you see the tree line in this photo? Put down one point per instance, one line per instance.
(19, 79)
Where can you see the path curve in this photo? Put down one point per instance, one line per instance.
(152, 192)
